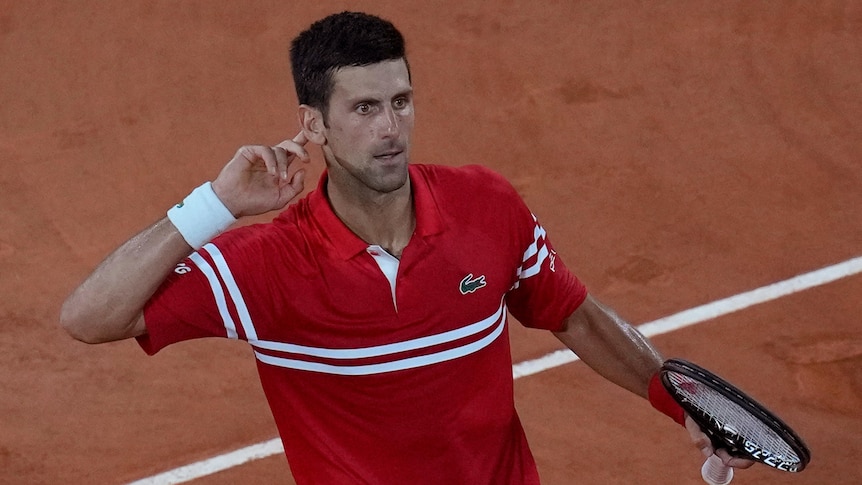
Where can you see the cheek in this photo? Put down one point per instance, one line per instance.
(347, 141)
(407, 121)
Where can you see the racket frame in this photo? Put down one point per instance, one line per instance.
(728, 439)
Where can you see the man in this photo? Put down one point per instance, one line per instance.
(377, 305)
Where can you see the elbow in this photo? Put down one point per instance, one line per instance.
(77, 325)
(95, 325)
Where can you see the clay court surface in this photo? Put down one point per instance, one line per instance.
(677, 153)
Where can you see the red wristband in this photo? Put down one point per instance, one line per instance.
(663, 401)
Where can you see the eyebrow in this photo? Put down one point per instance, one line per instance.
(360, 100)
(406, 92)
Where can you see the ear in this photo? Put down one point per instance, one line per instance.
(311, 121)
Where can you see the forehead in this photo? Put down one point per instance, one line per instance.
(380, 80)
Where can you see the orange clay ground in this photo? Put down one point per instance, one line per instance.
(676, 152)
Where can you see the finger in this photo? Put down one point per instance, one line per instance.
(297, 182)
(300, 138)
(740, 463)
(254, 153)
(296, 146)
(281, 161)
(289, 189)
(268, 157)
(698, 437)
(733, 461)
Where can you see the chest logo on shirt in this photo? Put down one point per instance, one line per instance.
(470, 284)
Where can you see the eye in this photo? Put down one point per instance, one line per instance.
(400, 103)
(363, 108)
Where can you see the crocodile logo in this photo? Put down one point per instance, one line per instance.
(470, 284)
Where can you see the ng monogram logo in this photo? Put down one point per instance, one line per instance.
(182, 268)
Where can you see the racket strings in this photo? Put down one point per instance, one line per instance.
(732, 417)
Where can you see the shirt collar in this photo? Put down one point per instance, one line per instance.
(347, 244)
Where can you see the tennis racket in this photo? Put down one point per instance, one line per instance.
(733, 421)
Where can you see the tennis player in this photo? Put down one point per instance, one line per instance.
(377, 306)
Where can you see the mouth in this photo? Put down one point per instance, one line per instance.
(388, 155)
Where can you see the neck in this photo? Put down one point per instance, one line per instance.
(384, 219)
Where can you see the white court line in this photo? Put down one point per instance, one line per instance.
(557, 358)
(709, 311)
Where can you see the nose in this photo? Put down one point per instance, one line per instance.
(390, 123)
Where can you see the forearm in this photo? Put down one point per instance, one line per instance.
(108, 305)
(611, 347)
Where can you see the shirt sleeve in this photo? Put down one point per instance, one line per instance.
(193, 302)
(545, 292)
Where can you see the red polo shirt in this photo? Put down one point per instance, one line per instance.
(379, 379)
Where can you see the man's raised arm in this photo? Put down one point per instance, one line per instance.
(109, 304)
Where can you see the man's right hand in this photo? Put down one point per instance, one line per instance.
(257, 179)
(109, 304)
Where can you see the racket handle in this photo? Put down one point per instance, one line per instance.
(714, 472)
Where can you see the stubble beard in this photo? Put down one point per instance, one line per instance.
(377, 176)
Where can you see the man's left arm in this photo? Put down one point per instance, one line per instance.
(611, 346)
(621, 354)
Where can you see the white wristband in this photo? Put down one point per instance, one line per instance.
(201, 216)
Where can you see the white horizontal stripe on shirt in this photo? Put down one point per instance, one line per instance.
(391, 366)
(387, 349)
(222, 272)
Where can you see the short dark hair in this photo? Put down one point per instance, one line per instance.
(340, 40)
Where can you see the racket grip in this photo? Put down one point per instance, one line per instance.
(714, 472)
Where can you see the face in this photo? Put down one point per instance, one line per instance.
(368, 127)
